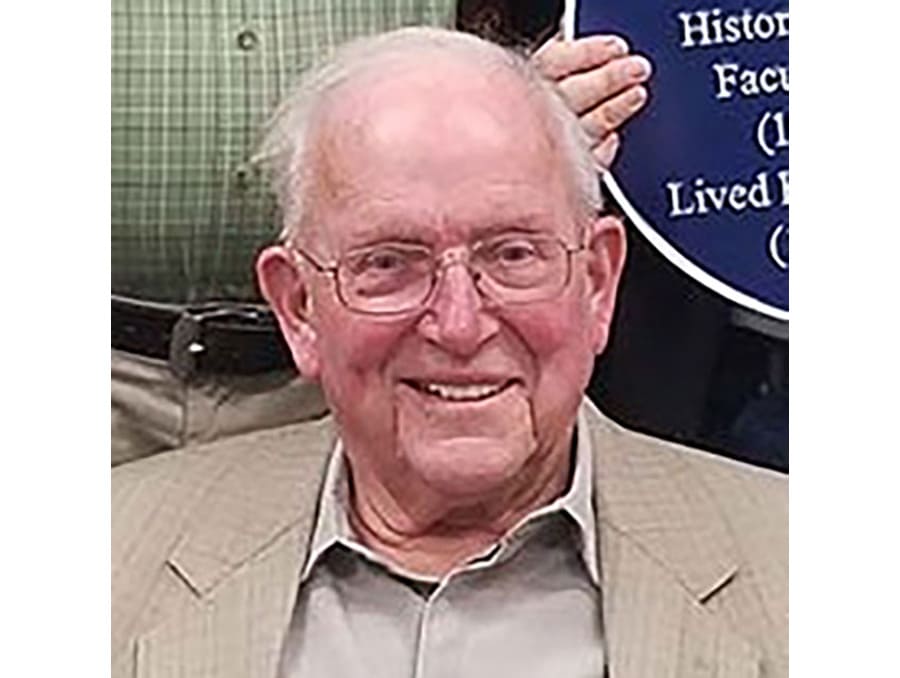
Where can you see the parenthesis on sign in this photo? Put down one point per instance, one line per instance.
(773, 247)
(761, 134)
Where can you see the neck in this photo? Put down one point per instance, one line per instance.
(431, 535)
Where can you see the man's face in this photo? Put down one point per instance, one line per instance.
(464, 398)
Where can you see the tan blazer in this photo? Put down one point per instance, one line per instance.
(208, 544)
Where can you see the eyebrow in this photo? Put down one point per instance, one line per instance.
(414, 234)
(393, 232)
(531, 225)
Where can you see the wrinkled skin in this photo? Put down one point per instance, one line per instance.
(443, 154)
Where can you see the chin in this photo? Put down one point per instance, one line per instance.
(470, 467)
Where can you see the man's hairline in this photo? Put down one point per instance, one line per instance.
(324, 131)
(561, 128)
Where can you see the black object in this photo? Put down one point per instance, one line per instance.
(523, 24)
(212, 338)
(676, 368)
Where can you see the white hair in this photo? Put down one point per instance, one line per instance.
(288, 136)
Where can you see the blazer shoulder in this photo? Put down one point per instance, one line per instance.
(752, 501)
(732, 480)
(139, 485)
(724, 477)
(750, 497)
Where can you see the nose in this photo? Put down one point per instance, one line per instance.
(456, 319)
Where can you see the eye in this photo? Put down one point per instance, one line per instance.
(385, 260)
(516, 251)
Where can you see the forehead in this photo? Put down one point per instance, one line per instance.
(442, 148)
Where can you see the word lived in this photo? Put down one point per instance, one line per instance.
(764, 191)
(710, 28)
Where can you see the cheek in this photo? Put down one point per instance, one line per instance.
(354, 352)
(554, 331)
(557, 337)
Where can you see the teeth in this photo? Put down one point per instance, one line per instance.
(462, 392)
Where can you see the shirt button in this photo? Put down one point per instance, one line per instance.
(247, 40)
(243, 175)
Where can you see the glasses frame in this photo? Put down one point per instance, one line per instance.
(439, 263)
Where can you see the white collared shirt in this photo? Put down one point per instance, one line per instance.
(529, 606)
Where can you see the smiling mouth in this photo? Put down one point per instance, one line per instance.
(459, 393)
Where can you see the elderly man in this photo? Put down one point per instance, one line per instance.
(447, 275)
(195, 358)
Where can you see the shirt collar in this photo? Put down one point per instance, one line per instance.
(333, 526)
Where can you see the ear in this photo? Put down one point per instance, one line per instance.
(606, 260)
(287, 290)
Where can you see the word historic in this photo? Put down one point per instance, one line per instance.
(708, 28)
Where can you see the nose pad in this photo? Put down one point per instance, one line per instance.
(456, 319)
(457, 289)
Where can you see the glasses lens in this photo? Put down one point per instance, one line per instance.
(385, 278)
(397, 277)
(522, 268)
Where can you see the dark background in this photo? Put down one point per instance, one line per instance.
(681, 364)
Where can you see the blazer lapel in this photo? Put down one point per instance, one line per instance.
(655, 627)
(240, 561)
(664, 554)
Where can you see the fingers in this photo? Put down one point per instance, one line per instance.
(611, 114)
(605, 152)
(601, 82)
(588, 89)
(558, 58)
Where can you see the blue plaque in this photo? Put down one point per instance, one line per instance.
(703, 170)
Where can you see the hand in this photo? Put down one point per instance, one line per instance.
(602, 83)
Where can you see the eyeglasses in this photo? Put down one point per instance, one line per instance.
(393, 278)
